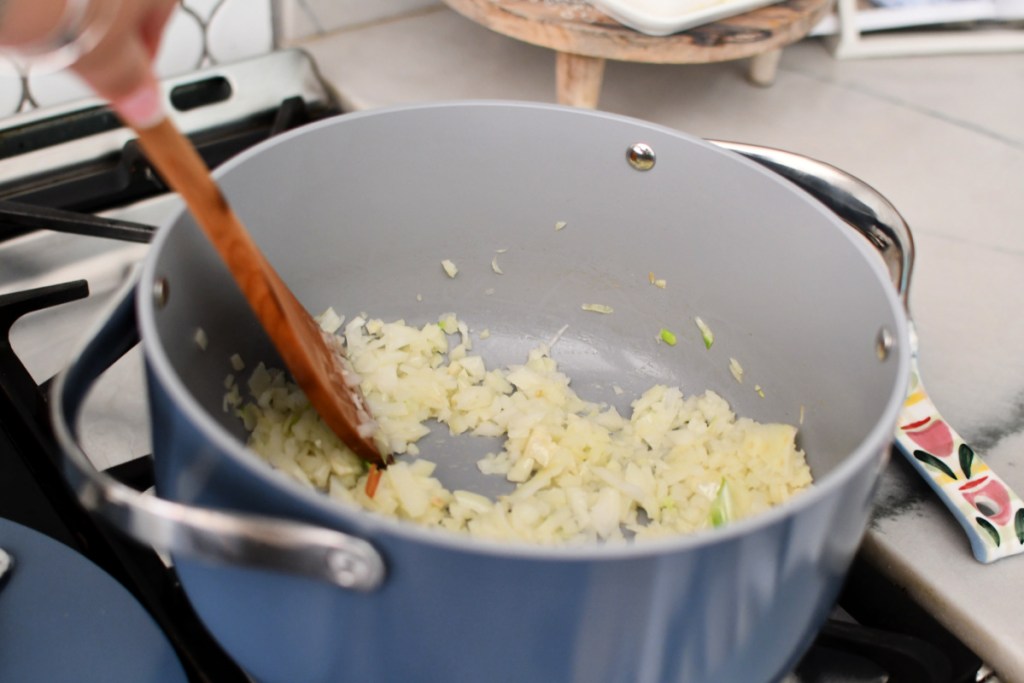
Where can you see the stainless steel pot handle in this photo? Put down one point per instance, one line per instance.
(201, 533)
(851, 199)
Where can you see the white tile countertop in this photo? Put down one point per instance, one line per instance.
(942, 137)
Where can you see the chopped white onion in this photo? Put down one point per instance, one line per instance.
(582, 471)
(736, 369)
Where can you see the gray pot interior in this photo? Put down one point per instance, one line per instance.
(358, 213)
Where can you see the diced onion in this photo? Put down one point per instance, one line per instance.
(582, 471)
(736, 369)
(330, 322)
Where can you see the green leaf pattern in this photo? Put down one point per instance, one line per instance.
(966, 459)
(1002, 534)
(987, 526)
(932, 461)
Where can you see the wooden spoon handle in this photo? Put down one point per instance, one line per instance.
(316, 368)
(186, 173)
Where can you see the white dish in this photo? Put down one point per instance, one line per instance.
(664, 17)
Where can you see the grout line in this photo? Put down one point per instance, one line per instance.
(382, 21)
(311, 15)
(1002, 250)
(906, 104)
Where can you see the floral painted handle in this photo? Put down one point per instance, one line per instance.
(988, 510)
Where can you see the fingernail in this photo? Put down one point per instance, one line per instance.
(142, 108)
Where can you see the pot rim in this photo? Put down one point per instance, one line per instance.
(352, 518)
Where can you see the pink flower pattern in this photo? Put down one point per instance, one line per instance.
(989, 511)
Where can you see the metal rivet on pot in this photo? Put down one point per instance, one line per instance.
(161, 292)
(883, 343)
(640, 156)
(347, 570)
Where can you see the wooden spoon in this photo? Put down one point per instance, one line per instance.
(318, 369)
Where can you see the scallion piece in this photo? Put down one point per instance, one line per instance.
(705, 333)
(721, 506)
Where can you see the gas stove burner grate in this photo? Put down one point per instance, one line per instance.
(124, 176)
(18, 218)
(33, 492)
(79, 157)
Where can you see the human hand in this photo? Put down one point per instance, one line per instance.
(116, 41)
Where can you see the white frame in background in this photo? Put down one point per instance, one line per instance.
(848, 32)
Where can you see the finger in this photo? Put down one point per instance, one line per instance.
(153, 24)
(142, 108)
(115, 69)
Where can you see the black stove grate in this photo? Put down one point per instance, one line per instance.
(34, 493)
(126, 176)
(18, 218)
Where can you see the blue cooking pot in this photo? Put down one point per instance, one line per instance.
(357, 212)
